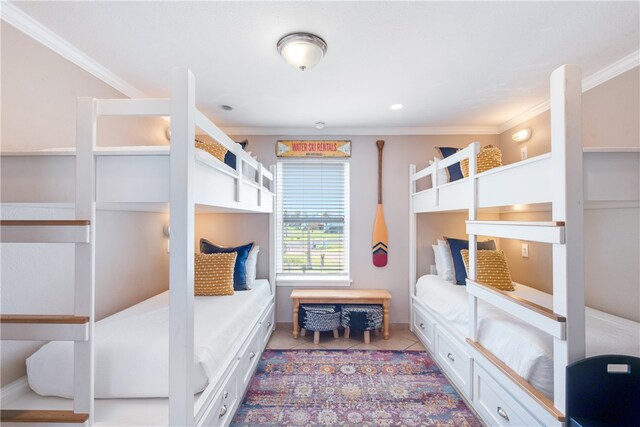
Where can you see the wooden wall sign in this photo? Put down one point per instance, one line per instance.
(291, 148)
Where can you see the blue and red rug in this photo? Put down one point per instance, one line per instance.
(352, 387)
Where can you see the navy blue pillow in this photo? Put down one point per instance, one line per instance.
(456, 245)
(240, 269)
(230, 160)
(455, 173)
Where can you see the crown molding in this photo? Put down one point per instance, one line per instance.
(614, 70)
(607, 73)
(329, 131)
(17, 18)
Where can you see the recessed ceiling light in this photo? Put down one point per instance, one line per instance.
(320, 125)
(396, 106)
(226, 107)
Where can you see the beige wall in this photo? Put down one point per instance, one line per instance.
(39, 90)
(612, 237)
(610, 114)
(399, 152)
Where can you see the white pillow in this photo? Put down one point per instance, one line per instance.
(443, 178)
(447, 262)
(251, 265)
(437, 256)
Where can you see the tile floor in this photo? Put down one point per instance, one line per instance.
(401, 338)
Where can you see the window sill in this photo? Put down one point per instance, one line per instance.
(306, 281)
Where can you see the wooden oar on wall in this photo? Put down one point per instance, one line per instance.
(379, 241)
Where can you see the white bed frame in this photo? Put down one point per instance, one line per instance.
(497, 393)
(187, 180)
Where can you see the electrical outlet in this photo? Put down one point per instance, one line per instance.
(523, 153)
(525, 250)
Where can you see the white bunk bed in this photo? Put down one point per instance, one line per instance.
(145, 179)
(563, 181)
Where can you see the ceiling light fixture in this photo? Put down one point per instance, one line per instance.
(522, 135)
(302, 50)
(320, 125)
(396, 106)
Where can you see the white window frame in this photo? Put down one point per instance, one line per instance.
(316, 280)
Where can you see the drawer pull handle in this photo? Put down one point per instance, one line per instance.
(223, 411)
(225, 394)
(421, 325)
(252, 355)
(450, 357)
(502, 413)
(268, 325)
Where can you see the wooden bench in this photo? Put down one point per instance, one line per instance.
(341, 296)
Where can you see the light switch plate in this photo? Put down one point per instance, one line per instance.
(525, 250)
(523, 153)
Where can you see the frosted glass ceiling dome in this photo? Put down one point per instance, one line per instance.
(302, 50)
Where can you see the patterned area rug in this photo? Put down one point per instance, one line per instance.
(352, 387)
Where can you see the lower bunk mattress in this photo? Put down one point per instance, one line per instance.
(524, 348)
(132, 346)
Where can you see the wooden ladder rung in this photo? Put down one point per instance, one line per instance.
(44, 223)
(44, 318)
(44, 327)
(45, 231)
(536, 315)
(41, 416)
(533, 231)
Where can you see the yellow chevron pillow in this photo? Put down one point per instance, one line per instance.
(489, 157)
(214, 148)
(492, 269)
(213, 274)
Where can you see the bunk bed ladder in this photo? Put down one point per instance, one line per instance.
(79, 326)
(565, 323)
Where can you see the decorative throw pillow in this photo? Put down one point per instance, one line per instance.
(438, 259)
(489, 157)
(491, 269)
(218, 151)
(457, 245)
(252, 261)
(240, 271)
(213, 274)
(454, 170)
(443, 178)
(447, 262)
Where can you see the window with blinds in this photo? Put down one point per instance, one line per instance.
(312, 218)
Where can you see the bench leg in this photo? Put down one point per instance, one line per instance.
(316, 337)
(303, 332)
(335, 333)
(367, 337)
(347, 332)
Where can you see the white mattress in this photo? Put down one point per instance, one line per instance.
(524, 348)
(132, 346)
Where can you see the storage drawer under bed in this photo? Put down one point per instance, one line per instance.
(249, 358)
(268, 324)
(424, 328)
(226, 401)
(495, 404)
(454, 360)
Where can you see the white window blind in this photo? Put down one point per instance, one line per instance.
(312, 218)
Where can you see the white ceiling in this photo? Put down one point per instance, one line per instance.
(449, 63)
